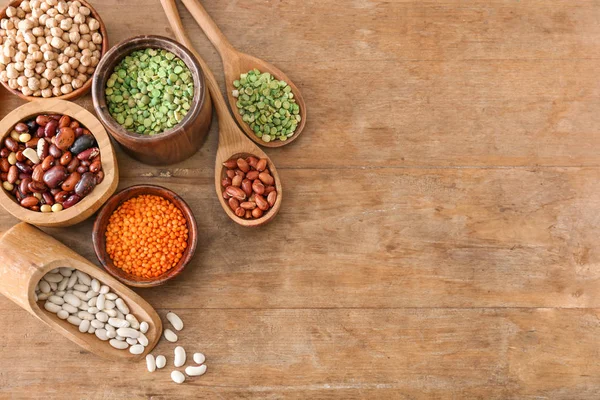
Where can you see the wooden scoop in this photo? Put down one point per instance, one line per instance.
(27, 254)
(232, 142)
(236, 63)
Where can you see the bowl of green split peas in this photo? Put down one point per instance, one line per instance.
(150, 94)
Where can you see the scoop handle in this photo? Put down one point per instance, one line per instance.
(210, 28)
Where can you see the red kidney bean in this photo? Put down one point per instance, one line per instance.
(85, 185)
(24, 185)
(48, 163)
(55, 190)
(4, 165)
(37, 187)
(38, 173)
(32, 144)
(95, 166)
(71, 201)
(64, 121)
(78, 132)
(4, 153)
(54, 151)
(82, 169)
(66, 158)
(69, 183)
(13, 174)
(65, 138)
(21, 127)
(55, 176)
(88, 154)
(23, 167)
(75, 125)
(99, 177)
(73, 165)
(61, 197)
(48, 198)
(40, 133)
(50, 128)
(42, 120)
(11, 144)
(20, 156)
(29, 201)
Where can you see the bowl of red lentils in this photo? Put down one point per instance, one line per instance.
(145, 235)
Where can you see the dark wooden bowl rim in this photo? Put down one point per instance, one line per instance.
(99, 238)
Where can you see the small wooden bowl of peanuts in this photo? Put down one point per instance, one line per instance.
(50, 48)
(145, 235)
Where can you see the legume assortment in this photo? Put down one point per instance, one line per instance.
(146, 236)
(88, 304)
(267, 105)
(49, 47)
(249, 187)
(150, 91)
(50, 163)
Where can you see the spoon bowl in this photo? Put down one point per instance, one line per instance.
(236, 63)
(232, 140)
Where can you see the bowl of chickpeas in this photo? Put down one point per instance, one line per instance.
(50, 48)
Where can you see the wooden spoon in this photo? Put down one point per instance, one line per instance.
(236, 63)
(27, 254)
(232, 142)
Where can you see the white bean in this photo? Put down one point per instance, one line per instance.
(84, 326)
(102, 316)
(143, 339)
(72, 299)
(179, 356)
(175, 320)
(100, 302)
(177, 377)
(199, 358)
(136, 349)
(131, 341)
(63, 284)
(83, 306)
(91, 329)
(56, 300)
(92, 301)
(65, 271)
(93, 310)
(108, 305)
(90, 294)
(196, 371)
(133, 322)
(128, 332)
(83, 278)
(62, 314)
(81, 288)
(161, 361)
(111, 334)
(95, 285)
(150, 363)
(170, 335)
(60, 293)
(44, 287)
(120, 315)
(72, 281)
(122, 306)
(44, 296)
(117, 344)
(97, 324)
(111, 296)
(53, 308)
(110, 313)
(104, 289)
(74, 320)
(69, 308)
(118, 323)
(101, 334)
(144, 327)
(53, 286)
(53, 278)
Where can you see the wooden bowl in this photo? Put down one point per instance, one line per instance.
(88, 84)
(99, 237)
(92, 202)
(174, 145)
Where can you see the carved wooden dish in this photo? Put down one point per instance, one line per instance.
(92, 202)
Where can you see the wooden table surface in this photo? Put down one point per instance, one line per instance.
(439, 235)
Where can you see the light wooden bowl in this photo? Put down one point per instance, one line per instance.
(88, 84)
(99, 236)
(20, 271)
(174, 145)
(92, 202)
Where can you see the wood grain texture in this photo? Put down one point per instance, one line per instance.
(439, 235)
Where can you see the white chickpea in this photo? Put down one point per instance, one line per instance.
(73, 11)
(4, 60)
(74, 37)
(84, 29)
(62, 58)
(37, 31)
(26, 91)
(66, 79)
(3, 76)
(21, 14)
(29, 72)
(11, 12)
(37, 56)
(56, 91)
(86, 52)
(56, 82)
(51, 64)
(32, 48)
(97, 38)
(25, 25)
(19, 66)
(29, 63)
(95, 61)
(2, 67)
(41, 40)
(66, 24)
(25, 6)
(53, 3)
(53, 12)
(56, 32)
(7, 24)
(83, 78)
(69, 52)
(86, 61)
(93, 24)
(45, 47)
(11, 71)
(74, 63)
(82, 44)
(46, 93)
(59, 18)
(29, 38)
(19, 38)
(12, 83)
(48, 74)
(51, 23)
(92, 46)
(66, 89)
(62, 7)
(79, 19)
(44, 6)
(44, 83)
(43, 18)
(35, 4)
(37, 13)
(57, 43)
(82, 69)
(76, 83)
(65, 68)
(22, 47)
(65, 37)
(33, 83)
(49, 55)
(40, 68)
(9, 51)
(22, 80)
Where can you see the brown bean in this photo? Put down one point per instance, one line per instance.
(88, 154)
(65, 138)
(75, 125)
(23, 176)
(55, 176)
(248, 205)
(29, 201)
(266, 178)
(236, 181)
(99, 177)
(61, 197)
(24, 167)
(37, 187)
(230, 173)
(258, 187)
(261, 165)
(11, 144)
(64, 121)
(230, 164)
(48, 198)
(40, 133)
(71, 201)
(252, 175)
(233, 203)
(21, 127)
(4, 165)
(48, 163)
(96, 166)
(69, 183)
(13, 174)
(42, 120)
(272, 198)
(226, 182)
(50, 128)
(42, 149)
(252, 161)
(38, 173)
(85, 185)
(236, 192)
(247, 187)
(20, 156)
(3, 176)
(66, 158)
(55, 151)
(82, 169)
(4, 153)
(261, 202)
(54, 191)
(257, 213)
(243, 165)
(78, 131)
(32, 144)
(240, 212)
(24, 185)
(73, 165)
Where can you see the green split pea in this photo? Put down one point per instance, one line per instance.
(150, 91)
(267, 105)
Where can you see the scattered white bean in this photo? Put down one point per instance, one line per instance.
(118, 344)
(136, 349)
(56, 300)
(150, 363)
(144, 327)
(170, 335)
(196, 371)
(108, 305)
(161, 361)
(175, 320)
(53, 278)
(133, 322)
(85, 315)
(65, 271)
(142, 339)
(97, 324)
(104, 289)
(44, 287)
(102, 316)
(84, 326)
(111, 296)
(179, 356)
(81, 288)
(128, 332)
(199, 358)
(63, 284)
(110, 313)
(72, 281)
(72, 300)
(118, 323)
(69, 308)
(101, 334)
(177, 377)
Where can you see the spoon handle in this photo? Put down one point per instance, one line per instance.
(213, 87)
(210, 28)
